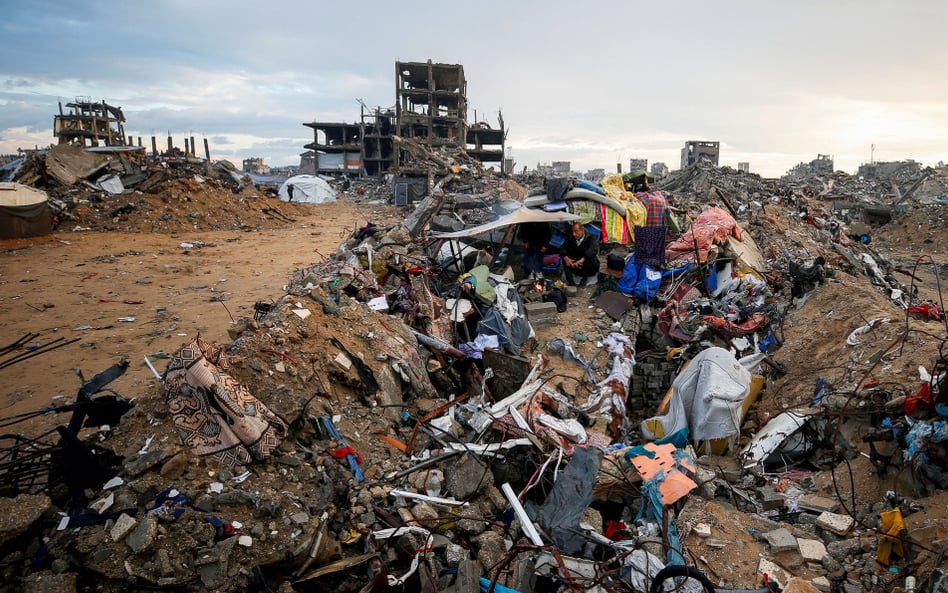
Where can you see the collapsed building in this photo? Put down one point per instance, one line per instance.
(696, 151)
(430, 112)
(414, 412)
(95, 123)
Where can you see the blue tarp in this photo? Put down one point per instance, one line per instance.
(643, 281)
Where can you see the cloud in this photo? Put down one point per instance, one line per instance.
(593, 83)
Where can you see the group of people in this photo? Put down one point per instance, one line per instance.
(580, 250)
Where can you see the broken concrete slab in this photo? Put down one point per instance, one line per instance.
(774, 572)
(780, 540)
(466, 477)
(835, 523)
(142, 538)
(212, 562)
(68, 163)
(17, 514)
(124, 524)
(812, 550)
(814, 502)
(770, 499)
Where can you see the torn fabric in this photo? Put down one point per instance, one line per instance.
(214, 413)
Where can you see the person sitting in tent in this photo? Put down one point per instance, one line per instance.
(580, 254)
(535, 236)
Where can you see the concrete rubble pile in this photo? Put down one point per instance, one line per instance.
(749, 414)
(123, 189)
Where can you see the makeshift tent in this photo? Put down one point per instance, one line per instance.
(610, 210)
(707, 398)
(24, 211)
(308, 189)
(519, 216)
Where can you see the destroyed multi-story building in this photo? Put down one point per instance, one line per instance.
(821, 165)
(254, 165)
(90, 123)
(594, 175)
(700, 150)
(638, 165)
(744, 167)
(560, 169)
(886, 169)
(659, 170)
(307, 164)
(430, 110)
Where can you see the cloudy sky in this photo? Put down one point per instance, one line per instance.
(591, 82)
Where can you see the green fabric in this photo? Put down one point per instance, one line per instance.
(482, 288)
(587, 209)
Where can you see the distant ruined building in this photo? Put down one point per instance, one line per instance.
(90, 123)
(430, 111)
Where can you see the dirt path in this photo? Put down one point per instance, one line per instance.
(137, 295)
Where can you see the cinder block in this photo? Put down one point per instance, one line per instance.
(540, 313)
(781, 540)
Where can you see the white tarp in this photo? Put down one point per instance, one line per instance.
(782, 433)
(111, 184)
(308, 189)
(707, 397)
(519, 216)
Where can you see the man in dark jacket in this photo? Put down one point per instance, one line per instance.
(535, 236)
(580, 256)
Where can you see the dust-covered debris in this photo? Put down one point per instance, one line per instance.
(432, 437)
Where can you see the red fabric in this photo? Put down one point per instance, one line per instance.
(617, 531)
(341, 453)
(713, 226)
(930, 310)
(921, 399)
(757, 322)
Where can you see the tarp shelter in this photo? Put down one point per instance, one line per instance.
(519, 216)
(707, 398)
(24, 211)
(307, 189)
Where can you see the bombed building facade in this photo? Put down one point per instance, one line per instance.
(90, 123)
(431, 111)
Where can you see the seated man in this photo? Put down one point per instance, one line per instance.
(580, 254)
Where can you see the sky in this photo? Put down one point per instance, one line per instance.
(595, 83)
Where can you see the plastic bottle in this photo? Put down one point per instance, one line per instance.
(909, 584)
(433, 483)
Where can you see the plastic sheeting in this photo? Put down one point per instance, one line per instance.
(707, 397)
(24, 212)
(572, 494)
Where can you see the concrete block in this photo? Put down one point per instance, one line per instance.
(770, 499)
(814, 502)
(835, 523)
(781, 540)
(823, 584)
(812, 550)
(540, 313)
